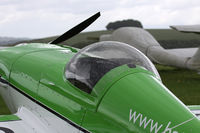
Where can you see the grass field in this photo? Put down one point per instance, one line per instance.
(3, 108)
(169, 34)
(185, 84)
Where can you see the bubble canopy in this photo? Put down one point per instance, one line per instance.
(91, 63)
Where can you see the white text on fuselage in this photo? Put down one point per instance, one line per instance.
(144, 122)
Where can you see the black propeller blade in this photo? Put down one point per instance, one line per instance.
(75, 30)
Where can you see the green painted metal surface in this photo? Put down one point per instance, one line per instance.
(10, 55)
(140, 103)
(5, 118)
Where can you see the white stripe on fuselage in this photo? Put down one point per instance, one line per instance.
(16, 100)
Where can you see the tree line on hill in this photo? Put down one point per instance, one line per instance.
(124, 23)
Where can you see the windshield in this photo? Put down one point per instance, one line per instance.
(90, 64)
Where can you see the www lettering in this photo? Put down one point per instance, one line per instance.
(155, 127)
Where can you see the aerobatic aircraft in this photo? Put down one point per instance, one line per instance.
(106, 87)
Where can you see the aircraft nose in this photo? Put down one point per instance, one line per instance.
(141, 103)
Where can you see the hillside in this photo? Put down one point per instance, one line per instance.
(5, 41)
(169, 38)
(78, 41)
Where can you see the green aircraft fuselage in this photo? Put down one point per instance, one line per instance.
(125, 100)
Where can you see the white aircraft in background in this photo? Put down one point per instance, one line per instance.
(187, 28)
(141, 39)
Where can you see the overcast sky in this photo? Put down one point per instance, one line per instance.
(42, 18)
